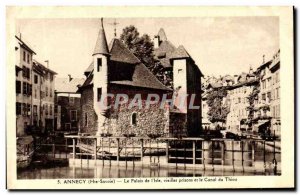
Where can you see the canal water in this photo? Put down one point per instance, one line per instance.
(262, 158)
(121, 172)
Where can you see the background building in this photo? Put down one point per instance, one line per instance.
(43, 96)
(34, 93)
(267, 115)
(23, 86)
(238, 101)
(67, 104)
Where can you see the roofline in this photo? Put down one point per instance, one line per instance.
(57, 92)
(168, 89)
(24, 44)
(48, 69)
(242, 84)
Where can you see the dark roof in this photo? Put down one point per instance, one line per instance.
(119, 53)
(163, 53)
(24, 45)
(89, 69)
(275, 61)
(88, 81)
(244, 83)
(39, 67)
(263, 66)
(141, 77)
(101, 44)
(180, 52)
(66, 86)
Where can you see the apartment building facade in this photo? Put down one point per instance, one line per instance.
(268, 101)
(23, 67)
(34, 92)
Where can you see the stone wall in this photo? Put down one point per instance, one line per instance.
(148, 121)
(87, 110)
(178, 124)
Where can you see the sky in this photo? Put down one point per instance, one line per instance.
(218, 45)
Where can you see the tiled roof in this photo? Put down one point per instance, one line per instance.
(162, 35)
(23, 44)
(244, 83)
(90, 68)
(165, 48)
(66, 86)
(101, 44)
(180, 52)
(141, 76)
(41, 68)
(119, 53)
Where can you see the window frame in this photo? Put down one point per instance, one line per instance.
(99, 64)
(133, 119)
(35, 79)
(71, 118)
(99, 89)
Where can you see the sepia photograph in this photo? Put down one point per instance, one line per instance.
(165, 100)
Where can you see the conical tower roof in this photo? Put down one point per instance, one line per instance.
(162, 35)
(101, 44)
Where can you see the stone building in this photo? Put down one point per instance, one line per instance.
(115, 70)
(186, 79)
(67, 104)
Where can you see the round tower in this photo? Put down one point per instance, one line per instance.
(100, 78)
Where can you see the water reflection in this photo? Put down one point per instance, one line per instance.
(120, 172)
(232, 154)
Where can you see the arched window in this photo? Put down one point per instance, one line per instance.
(133, 118)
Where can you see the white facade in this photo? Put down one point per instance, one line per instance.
(180, 83)
(238, 103)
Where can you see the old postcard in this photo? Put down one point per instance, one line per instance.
(150, 97)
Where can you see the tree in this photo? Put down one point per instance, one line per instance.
(218, 110)
(142, 47)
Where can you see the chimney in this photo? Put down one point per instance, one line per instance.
(156, 41)
(236, 78)
(263, 58)
(251, 70)
(47, 61)
(70, 77)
